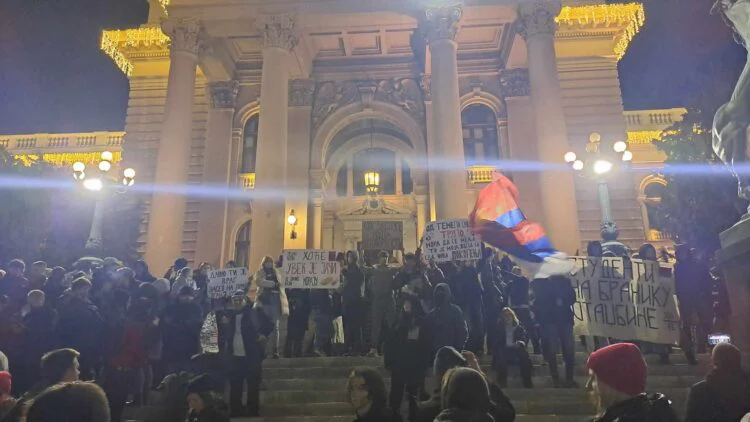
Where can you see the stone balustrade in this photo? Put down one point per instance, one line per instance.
(246, 180)
(652, 119)
(658, 236)
(46, 142)
(480, 174)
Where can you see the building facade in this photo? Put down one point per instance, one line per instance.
(244, 114)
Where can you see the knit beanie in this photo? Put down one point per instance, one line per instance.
(5, 383)
(620, 366)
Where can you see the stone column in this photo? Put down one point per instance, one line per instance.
(536, 23)
(448, 168)
(318, 182)
(167, 214)
(217, 166)
(269, 217)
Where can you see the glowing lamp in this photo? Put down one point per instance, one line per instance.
(372, 181)
(292, 219)
(620, 146)
(577, 165)
(105, 166)
(79, 166)
(107, 156)
(93, 184)
(570, 157)
(602, 166)
(129, 173)
(627, 156)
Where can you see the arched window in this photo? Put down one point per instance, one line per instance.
(479, 125)
(382, 160)
(407, 184)
(242, 245)
(249, 145)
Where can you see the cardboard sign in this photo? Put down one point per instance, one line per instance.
(450, 240)
(383, 235)
(625, 300)
(222, 283)
(311, 269)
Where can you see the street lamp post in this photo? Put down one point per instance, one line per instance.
(597, 164)
(101, 184)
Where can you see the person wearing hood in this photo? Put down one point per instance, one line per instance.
(366, 394)
(271, 298)
(142, 273)
(725, 393)
(617, 384)
(353, 304)
(446, 321)
(465, 397)
(407, 352)
(204, 404)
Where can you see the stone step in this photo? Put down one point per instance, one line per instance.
(352, 361)
(348, 418)
(341, 372)
(655, 382)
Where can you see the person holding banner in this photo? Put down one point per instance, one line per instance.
(271, 298)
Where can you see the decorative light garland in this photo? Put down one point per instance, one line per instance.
(164, 5)
(632, 15)
(643, 137)
(115, 41)
(60, 159)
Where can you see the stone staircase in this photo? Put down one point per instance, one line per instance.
(313, 389)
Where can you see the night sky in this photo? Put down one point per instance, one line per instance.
(53, 78)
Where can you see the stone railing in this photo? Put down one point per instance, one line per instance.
(658, 236)
(480, 174)
(49, 142)
(653, 119)
(246, 180)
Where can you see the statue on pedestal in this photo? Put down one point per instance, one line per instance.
(731, 139)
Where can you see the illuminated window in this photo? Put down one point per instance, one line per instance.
(242, 245)
(479, 125)
(249, 145)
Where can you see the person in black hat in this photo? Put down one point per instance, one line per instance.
(204, 404)
(243, 332)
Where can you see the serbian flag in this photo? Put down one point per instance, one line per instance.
(498, 221)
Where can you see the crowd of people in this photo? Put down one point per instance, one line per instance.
(130, 331)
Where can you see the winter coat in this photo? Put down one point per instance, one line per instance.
(218, 412)
(409, 357)
(39, 328)
(517, 291)
(554, 298)
(133, 352)
(255, 323)
(446, 322)
(299, 307)
(351, 291)
(460, 415)
(519, 335)
(320, 301)
(381, 283)
(379, 415)
(472, 288)
(80, 327)
(693, 283)
(263, 286)
(415, 283)
(704, 404)
(181, 328)
(642, 408)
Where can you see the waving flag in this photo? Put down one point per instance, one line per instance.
(498, 221)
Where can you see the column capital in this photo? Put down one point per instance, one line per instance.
(318, 179)
(223, 95)
(442, 23)
(301, 92)
(515, 83)
(185, 35)
(537, 17)
(279, 31)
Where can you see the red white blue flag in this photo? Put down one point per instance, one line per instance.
(499, 222)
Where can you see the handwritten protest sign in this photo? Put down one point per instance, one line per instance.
(632, 301)
(222, 283)
(311, 269)
(450, 240)
(383, 235)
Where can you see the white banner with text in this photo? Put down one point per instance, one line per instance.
(311, 269)
(450, 240)
(222, 283)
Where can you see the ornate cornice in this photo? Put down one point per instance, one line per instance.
(279, 31)
(185, 35)
(301, 92)
(515, 83)
(223, 94)
(442, 23)
(537, 17)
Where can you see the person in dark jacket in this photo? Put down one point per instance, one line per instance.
(383, 308)
(517, 295)
(80, 327)
(412, 280)
(725, 393)
(243, 332)
(445, 359)
(181, 327)
(322, 315)
(54, 287)
(38, 331)
(465, 397)
(142, 273)
(554, 298)
(204, 404)
(693, 286)
(473, 311)
(366, 394)
(299, 314)
(353, 304)
(407, 354)
(617, 381)
(446, 321)
(511, 348)
(14, 285)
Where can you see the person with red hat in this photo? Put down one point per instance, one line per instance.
(617, 382)
(6, 399)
